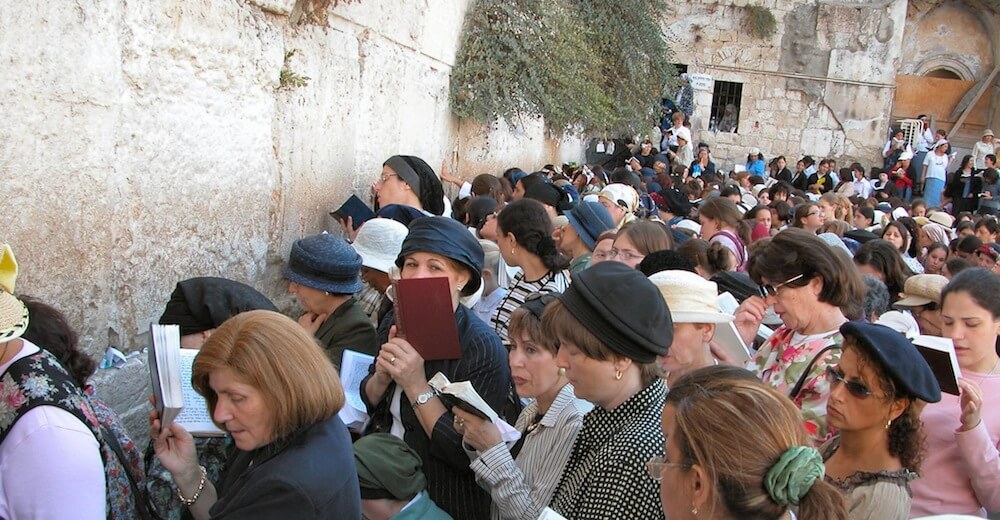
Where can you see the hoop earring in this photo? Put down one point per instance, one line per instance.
(618, 375)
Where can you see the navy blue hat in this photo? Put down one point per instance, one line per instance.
(604, 298)
(400, 213)
(675, 202)
(899, 359)
(326, 263)
(589, 219)
(646, 171)
(449, 238)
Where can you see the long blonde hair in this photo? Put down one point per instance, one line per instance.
(736, 429)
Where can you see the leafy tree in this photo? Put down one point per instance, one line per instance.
(582, 65)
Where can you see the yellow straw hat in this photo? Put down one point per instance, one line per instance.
(13, 313)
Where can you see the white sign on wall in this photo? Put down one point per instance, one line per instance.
(701, 81)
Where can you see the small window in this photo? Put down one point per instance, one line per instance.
(726, 99)
(942, 73)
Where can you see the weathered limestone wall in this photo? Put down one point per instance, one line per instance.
(787, 106)
(146, 142)
(953, 36)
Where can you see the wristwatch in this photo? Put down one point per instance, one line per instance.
(424, 397)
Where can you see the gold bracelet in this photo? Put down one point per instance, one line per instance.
(201, 486)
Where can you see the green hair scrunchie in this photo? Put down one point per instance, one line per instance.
(793, 475)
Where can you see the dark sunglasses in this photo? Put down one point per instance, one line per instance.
(772, 290)
(536, 302)
(833, 376)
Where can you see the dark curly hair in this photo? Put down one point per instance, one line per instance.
(906, 436)
(527, 220)
(49, 329)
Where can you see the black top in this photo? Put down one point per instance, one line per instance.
(309, 475)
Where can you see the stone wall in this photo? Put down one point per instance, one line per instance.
(821, 85)
(147, 142)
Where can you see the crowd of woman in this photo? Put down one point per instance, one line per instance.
(654, 340)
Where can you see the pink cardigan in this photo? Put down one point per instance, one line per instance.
(961, 471)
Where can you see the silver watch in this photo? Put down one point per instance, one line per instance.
(423, 398)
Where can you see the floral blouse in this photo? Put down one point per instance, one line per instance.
(780, 364)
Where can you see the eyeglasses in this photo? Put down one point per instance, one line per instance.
(772, 290)
(656, 465)
(858, 390)
(386, 177)
(625, 255)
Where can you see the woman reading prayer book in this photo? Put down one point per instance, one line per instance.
(399, 398)
(198, 306)
(961, 473)
(271, 387)
(521, 477)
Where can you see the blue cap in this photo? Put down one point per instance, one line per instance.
(326, 263)
(589, 219)
(900, 360)
(449, 238)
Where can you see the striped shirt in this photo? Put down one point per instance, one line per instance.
(553, 281)
(523, 488)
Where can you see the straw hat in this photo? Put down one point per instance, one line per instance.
(690, 298)
(921, 289)
(13, 313)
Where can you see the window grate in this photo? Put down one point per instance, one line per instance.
(726, 99)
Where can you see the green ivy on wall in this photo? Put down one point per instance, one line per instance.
(582, 65)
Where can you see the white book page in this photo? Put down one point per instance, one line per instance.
(194, 416)
(353, 369)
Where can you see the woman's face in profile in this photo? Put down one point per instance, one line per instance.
(242, 410)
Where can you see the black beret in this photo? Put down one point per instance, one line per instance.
(623, 309)
(900, 360)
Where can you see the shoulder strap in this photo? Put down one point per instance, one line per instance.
(142, 508)
(805, 374)
(738, 242)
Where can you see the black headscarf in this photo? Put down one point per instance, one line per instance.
(200, 304)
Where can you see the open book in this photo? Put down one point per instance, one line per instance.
(170, 370)
(462, 395)
(939, 353)
(353, 369)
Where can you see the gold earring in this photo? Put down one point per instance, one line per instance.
(562, 371)
(694, 510)
(618, 375)
(888, 423)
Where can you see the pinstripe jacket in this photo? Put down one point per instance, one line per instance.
(450, 482)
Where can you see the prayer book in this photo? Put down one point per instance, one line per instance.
(549, 514)
(939, 353)
(353, 369)
(727, 337)
(425, 317)
(356, 209)
(170, 370)
(461, 395)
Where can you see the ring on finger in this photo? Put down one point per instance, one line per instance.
(392, 360)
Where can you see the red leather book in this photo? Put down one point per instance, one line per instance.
(425, 317)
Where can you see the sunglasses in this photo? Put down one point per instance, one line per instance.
(772, 290)
(537, 302)
(858, 390)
